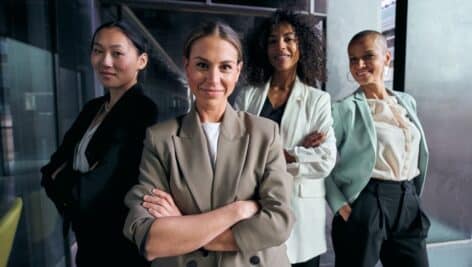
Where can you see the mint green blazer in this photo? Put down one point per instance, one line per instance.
(356, 140)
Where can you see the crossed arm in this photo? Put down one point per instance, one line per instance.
(161, 205)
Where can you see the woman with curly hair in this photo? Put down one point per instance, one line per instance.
(282, 81)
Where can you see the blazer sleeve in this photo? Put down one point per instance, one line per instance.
(316, 162)
(334, 196)
(59, 189)
(152, 175)
(272, 225)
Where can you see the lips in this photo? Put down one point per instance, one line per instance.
(107, 74)
(212, 91)
(362, 73)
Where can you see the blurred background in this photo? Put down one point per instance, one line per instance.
(46, 77)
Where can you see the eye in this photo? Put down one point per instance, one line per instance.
(226, 68)
(290, 39)
(116, 53)
(272, 41)
(96, 51)
(201, 65)
(368, 57)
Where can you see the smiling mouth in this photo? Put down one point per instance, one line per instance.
(107, 74)
(362, 73)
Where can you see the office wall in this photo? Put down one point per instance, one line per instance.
(344, 19)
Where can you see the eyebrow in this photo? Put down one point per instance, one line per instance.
(111, 46)
(285, 34)
(224, 61)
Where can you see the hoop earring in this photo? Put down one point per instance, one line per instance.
(385, 72)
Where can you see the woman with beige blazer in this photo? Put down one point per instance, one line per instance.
(280, 90)
(220, 190)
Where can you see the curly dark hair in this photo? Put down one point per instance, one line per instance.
(311, 66)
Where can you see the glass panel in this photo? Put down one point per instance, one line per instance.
(437, 71)
(388, 29)
(295, 4)
(321, 6)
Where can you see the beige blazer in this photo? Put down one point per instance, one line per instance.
(249, 165)
(308, 109)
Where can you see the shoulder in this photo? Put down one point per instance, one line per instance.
(94, 103)
(407, 98)
(164, 130)
(346, 103)
(250, 90)
(141, 108)
(316, 95)
(256, 125)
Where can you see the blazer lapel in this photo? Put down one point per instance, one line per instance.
(364, 110)
(193, 158)
(258, 100)
(102, 138)
(411, 114)
(291, 116)
(232, 148)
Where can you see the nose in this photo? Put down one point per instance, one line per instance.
(107, 60)
(358, 63)
(281, 44)
(213, 76)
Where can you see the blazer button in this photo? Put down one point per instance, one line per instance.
(254, 260)
(192, 263)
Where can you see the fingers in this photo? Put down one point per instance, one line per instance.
(156, 210)
(160, 204)
(164, 195)
(345, 212)
(314, 139)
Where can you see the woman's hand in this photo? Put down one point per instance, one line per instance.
(247, 208)
(289, 158)
(314, 139)
(160, 204)
(345, 212)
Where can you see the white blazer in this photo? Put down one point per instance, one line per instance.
(308, 109)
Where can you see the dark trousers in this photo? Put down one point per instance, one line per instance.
(315, 262)
(386, 222)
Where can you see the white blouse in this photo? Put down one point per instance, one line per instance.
(398, 141)
(80, 160)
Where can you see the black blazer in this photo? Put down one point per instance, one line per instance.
(93, 201)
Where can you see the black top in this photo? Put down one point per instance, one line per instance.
(272, 113)
(93, 201)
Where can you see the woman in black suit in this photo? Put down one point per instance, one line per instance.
(97, 162)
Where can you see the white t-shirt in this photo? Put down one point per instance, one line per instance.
(212, 133)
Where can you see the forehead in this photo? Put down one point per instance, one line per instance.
(111, 36)
(282, 28)
(366, 43)
(214, 48)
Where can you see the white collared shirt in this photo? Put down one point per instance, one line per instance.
(398, 141)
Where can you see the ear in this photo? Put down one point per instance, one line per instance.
(388, 57)
(239, 67)
(142, 61)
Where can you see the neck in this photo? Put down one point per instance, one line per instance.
(283, 80)
(210, 113)
(375, 91)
